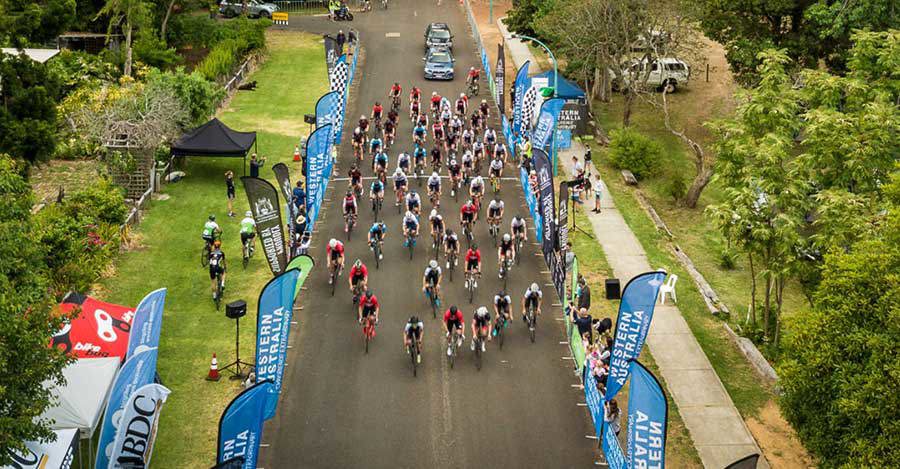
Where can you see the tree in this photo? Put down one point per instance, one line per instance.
(133, 13)
(28, 111)
(809, 30)
(26, 320)
(34, 22)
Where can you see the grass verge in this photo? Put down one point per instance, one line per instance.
(288, 84)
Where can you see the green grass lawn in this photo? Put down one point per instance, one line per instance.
(289, 82)
(592, 264)
(694, 232)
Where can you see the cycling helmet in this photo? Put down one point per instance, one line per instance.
(506, 237)
(349, 193)
(396, 84)
(433, 213)
(448, 232)
(332, 243)
(398, 170)
(414, 319)
(534, 287)
(362, 118)
(483, 101)
(432, 264)
(377, 103)
(217, 244)
(471, 69)
(435, 174)
(413, 192)
(434, 93)
(410, 214)
(212, 218)
(462, 95)
(482, 311)
(357, 263)
(248, 213)
(453, 309)
(474, 246)
(369, 293)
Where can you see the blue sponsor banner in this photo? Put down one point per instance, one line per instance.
(241, 425)
(521, 84)
(328, 109)
(273, 325)
(593, 399)
(137, 372)
(531, 201)
(147, 323)
(647, 420)
(138, 426)
(546, 123)
(319, 165)
(546, 203)
(507, 134)
(612, 450)
(632, 327)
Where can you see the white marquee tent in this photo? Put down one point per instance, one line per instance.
(80, 403)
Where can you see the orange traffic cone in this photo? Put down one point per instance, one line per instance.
(296, 153)
(213, 370)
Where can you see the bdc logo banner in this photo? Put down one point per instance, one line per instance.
(137, 426)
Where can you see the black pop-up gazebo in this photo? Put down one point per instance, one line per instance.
(215, 139)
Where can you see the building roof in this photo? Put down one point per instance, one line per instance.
(38, 55)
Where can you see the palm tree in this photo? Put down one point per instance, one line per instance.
(129, 11)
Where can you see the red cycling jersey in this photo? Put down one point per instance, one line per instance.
(396, 90)
(473, 255)
(377, 109)
(473, 73)
(436, 99)
(369, 301)
(338, 248)
(468, 209)
(362, 271)
(458, 317)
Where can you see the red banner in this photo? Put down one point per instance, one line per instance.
(100, 329)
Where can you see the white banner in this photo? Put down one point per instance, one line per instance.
(136, 427)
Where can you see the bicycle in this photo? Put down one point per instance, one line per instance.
(499, 325)
(395, 104)
(519, 243)
(410, 243)
(495, 184)
(420, 172)
(204, 253)
(357, 292)
(454, 189)
(531, 321)
(376, 206)
(479, 340)
(494, 229)
(453, 346)
(435, 199)
(436, 243)
(369, 329)
(504, 271)
(471, 280)
(247, 251)
(467, 231)
(376, 248)
(335, 272)
(432, 299)
(413, 348)
(451, 261)
(472, 88)
(349, 223)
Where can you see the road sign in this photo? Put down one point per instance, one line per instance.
(280, 18)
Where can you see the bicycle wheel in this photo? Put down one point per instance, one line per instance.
(471, 289)
(333, 281)
(219, 291)
(377, 250)
(499, 325)
(532, 322)
(454, 338)
(366, 334)
(410, 242)
(478, 353)
(450, 269)
(204, 256)
(518, 250)
(434, 306)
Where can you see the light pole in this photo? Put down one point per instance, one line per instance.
(555, 88)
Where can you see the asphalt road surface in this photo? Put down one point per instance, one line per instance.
(342, 408)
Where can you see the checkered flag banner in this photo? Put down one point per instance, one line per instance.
(338, 78)
(528, 108)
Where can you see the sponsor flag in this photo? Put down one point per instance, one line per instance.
(100, 329)
(612, 449)
(283, 177)
(521, 84)
(546, 202)
(546, 123)
(318, 171)
(328, 109)
(562, 218)
(507, 134)
(137, 371)
(133, 445)
(499, 82)
(632, 327)
(532, 205)
(332, 52)
(263, 199)
(147, 323)
(748, 462)
(56, 454)
(647, 419)
(273, 325)
(304, 264)
(528, 103)
(241, 425)
(339, 79)
(236, 462)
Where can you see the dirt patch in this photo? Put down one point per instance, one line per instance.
(71, 176)
(777, 439)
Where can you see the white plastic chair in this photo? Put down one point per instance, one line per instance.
(668, 287)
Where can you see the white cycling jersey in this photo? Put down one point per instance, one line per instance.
(400, 177)
(477, 183)
(413, 198)
(434, 181)
(496, 205)
(517, 222)
(496, 164)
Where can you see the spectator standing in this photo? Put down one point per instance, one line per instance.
(351, 38)
(229, 191)
(298, 196)
(341, 39)
(611, 415)
(587, 158)
(255, 164)
(582, 320)
(583, 294)
(598, 194)
(570, 257)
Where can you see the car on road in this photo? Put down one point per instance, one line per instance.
(255, 9)
(438, 35)
(439, 64)
(666, 73)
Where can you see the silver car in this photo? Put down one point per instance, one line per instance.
(439, 64)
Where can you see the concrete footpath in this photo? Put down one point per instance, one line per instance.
(716, 428)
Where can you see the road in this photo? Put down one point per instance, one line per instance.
(341, 408)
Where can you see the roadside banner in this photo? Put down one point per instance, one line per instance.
(546, 203)
(138, 424)
(100, 329)
(592, 397)
(304, 264)
(612, 449)
(521, 84)
(147, 323)
(236, 462)
(486, 66)
(507, 134)
(632, 327)
(318, 167)
(273, 326)
(562, 218)
(241, 425)
(648, 414)
(137, 372)
(546, 123)
(339, 79)
(532, 204)
(558, 274)
(747, 462)
(56, 454)
(499, 81)
(327, 109)
(332, 52)
(263, 198)
(283, 177)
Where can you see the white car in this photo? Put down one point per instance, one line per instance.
(665, 73)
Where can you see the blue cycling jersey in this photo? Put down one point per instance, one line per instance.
(381, 158)
(376, 228)
(419, 130)
(376, 142)
(377, 186)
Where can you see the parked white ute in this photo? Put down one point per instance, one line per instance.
(665, 74)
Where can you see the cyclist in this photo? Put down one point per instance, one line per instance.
(399, 185)
(393, 118)
(355, 176)
(478, 150)
(377, 111)
(376, 235)
(414, 109)
(468, 164)
(358, 276)
(395, 92)
(423, 120)
(472, 76)
(413, 328)
(446, 115)
(390, 129)
(481, 322)
(359, 141)
(403, 161)
(435, 102)
(490, 138)
(451, 246)
(350, 208)
(437, 131)
(379, 164)
(532, 296)
(476, 121)
(335, 253)
(434, 188)
(211, 230)
(453, 319)
(216, 265)
(415, 95)
(376, 192)
(413, 202)
(456, 125)
(468, 136)
(410, 227)
(437, 226)
(502, 307)
(468, 213)
(462, 104)
(248, 232)
(363, 124)
(484, 109)
(496, 170)
(368, 304)
(419, 155)
(436, 158)
(455, 170)
(473, 263)
(495, 212)
(476, 189)
(500, 152)
(419, 134)
(505, 250)
(432, 278)
(517, 226)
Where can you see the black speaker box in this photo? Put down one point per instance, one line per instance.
(236, 309)
(613, 289)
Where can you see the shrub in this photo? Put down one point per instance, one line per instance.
(193, 30)
(102, 202)
(150, 50)
(222, 59)
(728, 258)
(77, 69)
(198, 95)
(630, 150)
(677, 188)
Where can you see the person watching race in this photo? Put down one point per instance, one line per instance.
(481, 323)
(368, 304)
(376, 235)
(453, 319)
(473, 263)
(414, 329)
(432, 278)
(502, 307)
(532, 297)
(413, 202)
(335, 254)
(410, 227)
(505, 250)
(400, 183)
(217, 266)
(248, 232)
(358, 277)
(451, 246)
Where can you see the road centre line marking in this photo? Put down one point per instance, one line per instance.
(392, 35)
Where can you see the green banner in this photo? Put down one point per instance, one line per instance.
(305, 264)
(575, 343)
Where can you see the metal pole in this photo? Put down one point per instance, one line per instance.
(491, 11)
(555, 88)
